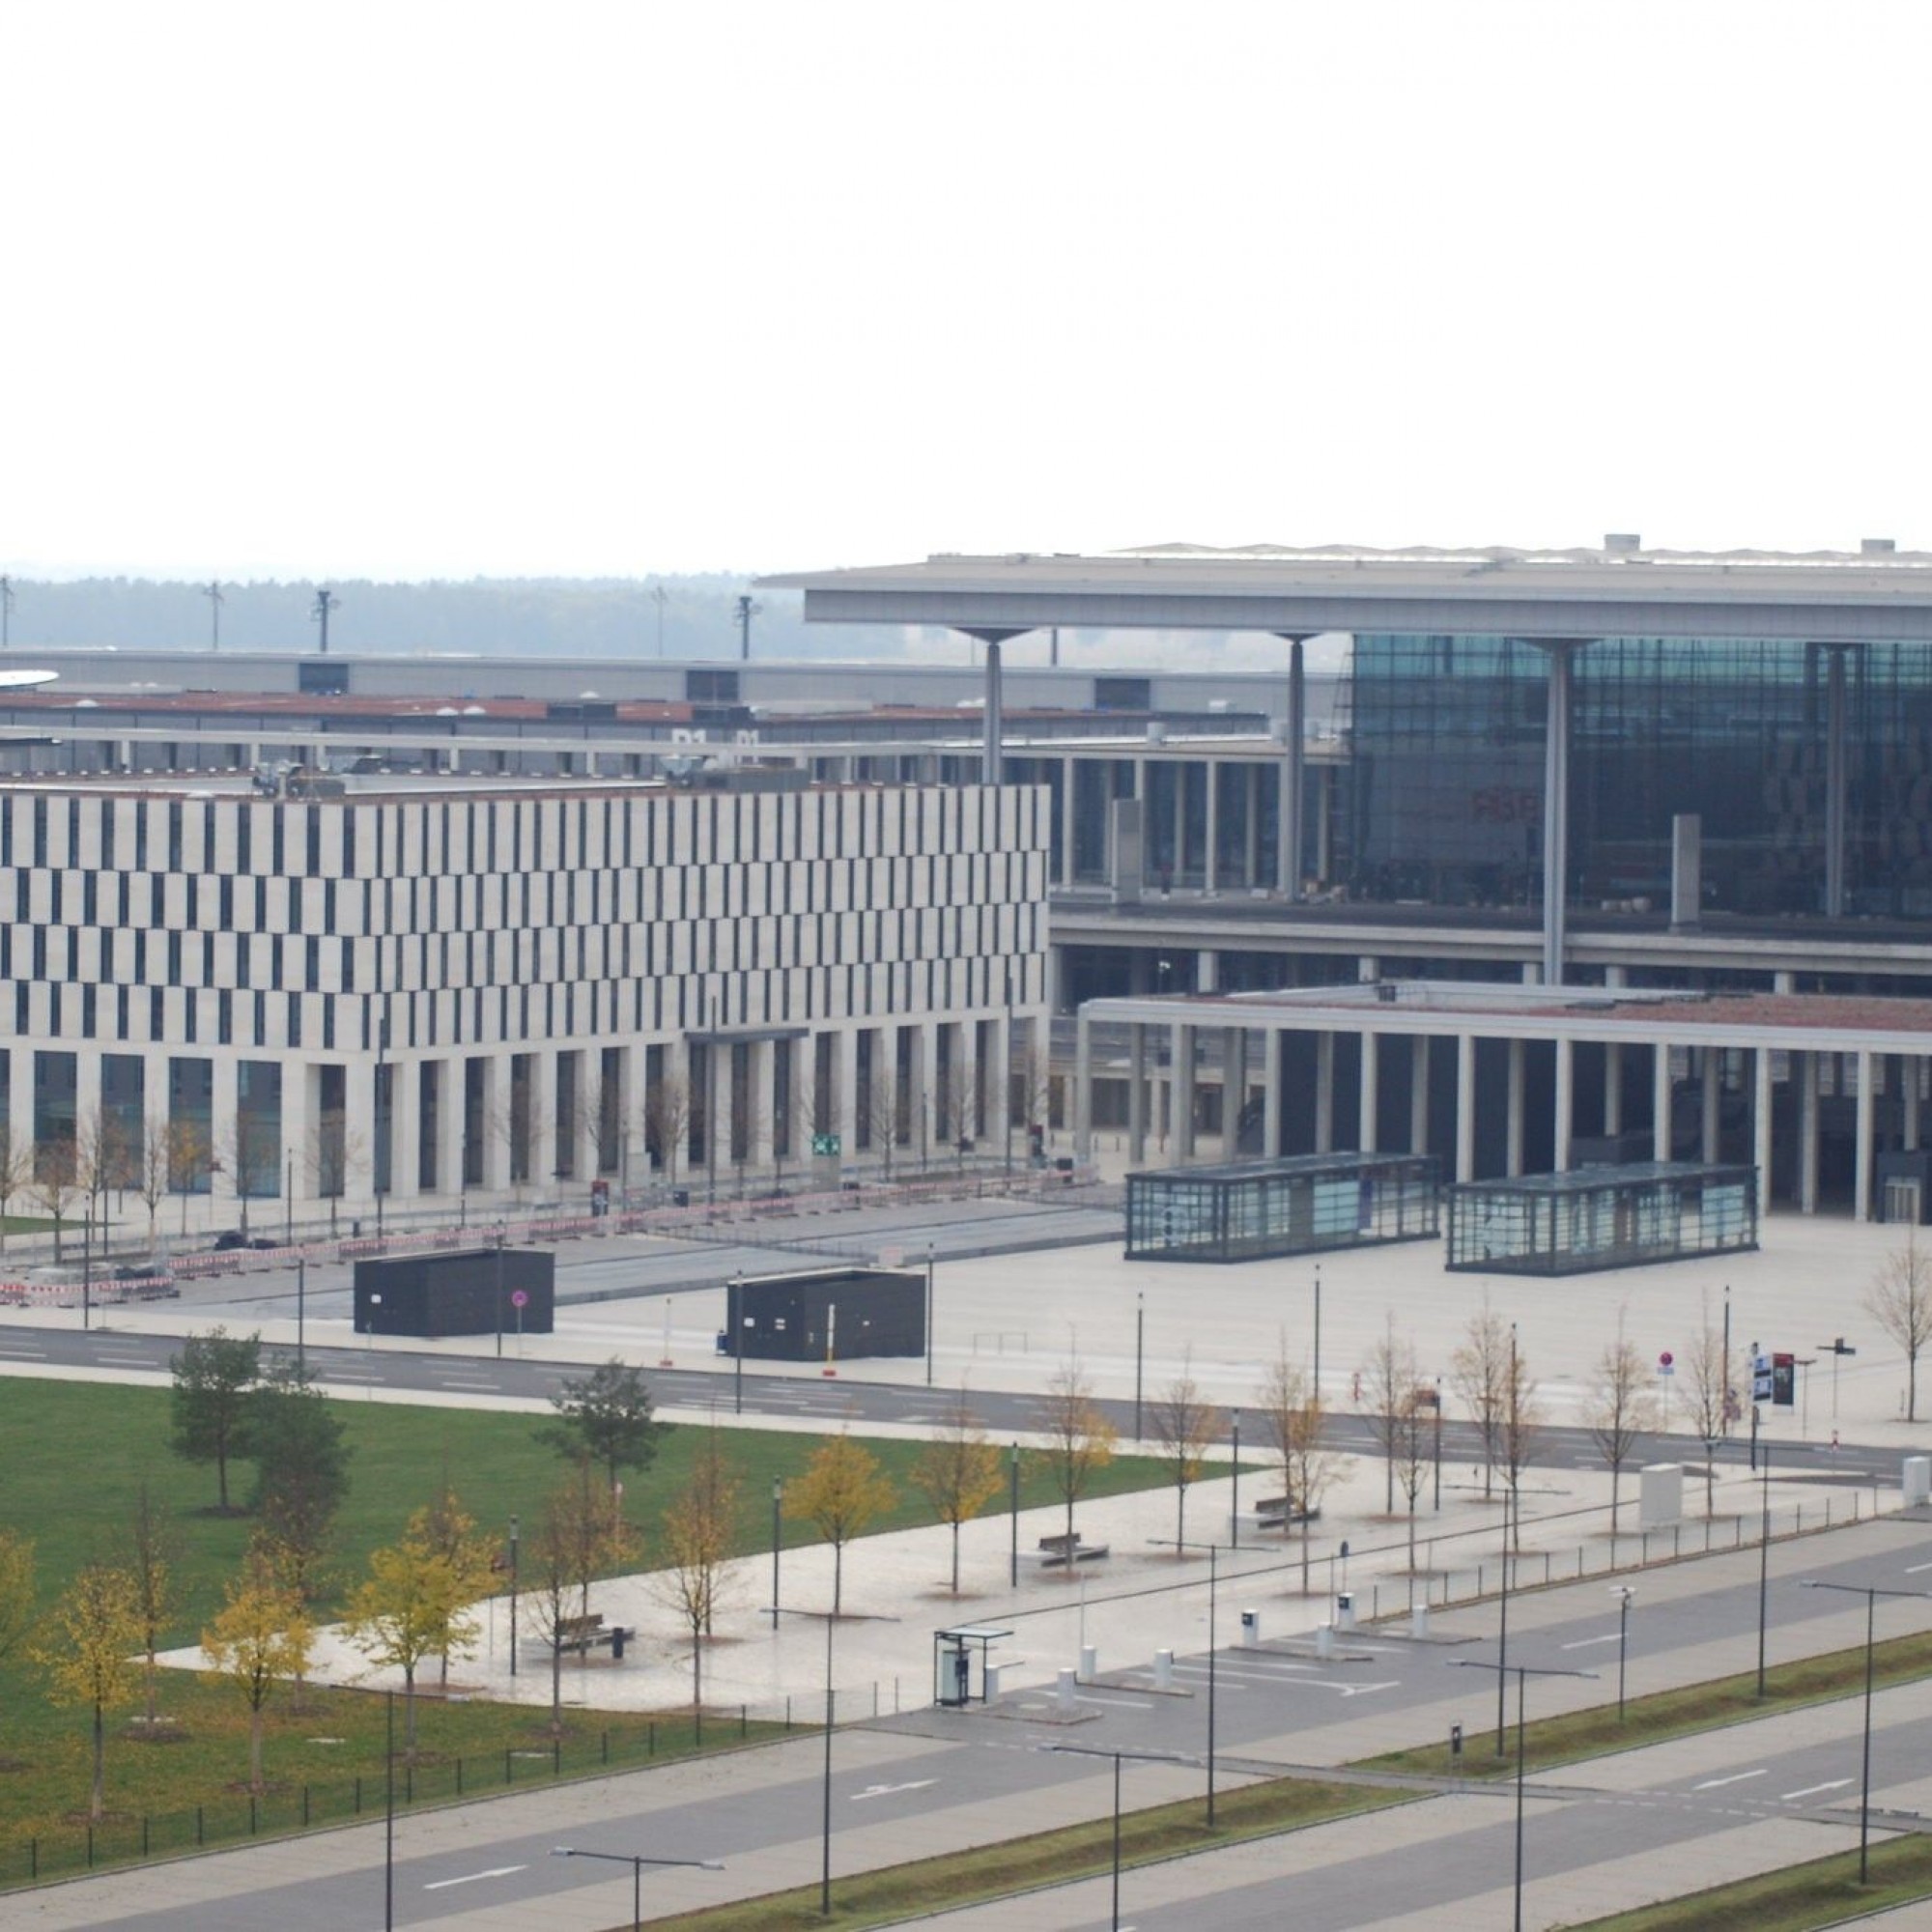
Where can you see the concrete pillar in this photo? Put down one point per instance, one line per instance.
(1806, 1064)
(542, 1125)
(1324, 1093)
(1687, 873)
(448, 1127)
(1418, 1093)
(1613, 1090)
(1211, 862)
(495, 1131)
(1908, 1102)
(759, 1087)
(1513, 1159)
(1368, 968)
(1835, 780)
(925, 1128)
(1083, 1087)
(1207, 970)
(846, 1087)
(992, 766)
(1861, 1201)
(1067, 816)
(1287, 850)
(1560, 654)
(1659, 1102)
(1137, 1098)
(1233, 1088)
(1466, 1106)
(1565, 1103)
(1366, 1139)
(1784, 982)
(1712, 1111)
(1761, 1124)
(1181, 1065)
(1275, 1044)
(404, 1128)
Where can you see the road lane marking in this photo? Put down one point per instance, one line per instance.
(1913, 1569)
(890, 1790)
(1117, 1703)
(1736, 1778)
(1813, 1790)
(1584, 1642)
(470, 1878)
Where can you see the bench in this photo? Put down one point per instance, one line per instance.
(581, 1635)
(1068, 1551)
(1273, 1513)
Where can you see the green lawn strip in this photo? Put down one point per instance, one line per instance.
(1795, 1898)
(75, 1453)
(1003, 1870)
(325, 1766)
(1664, 1715)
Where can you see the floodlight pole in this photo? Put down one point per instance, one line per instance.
(1871, 1593)
(636, 1863)
(1763, 1561)
(1522, 1672)
(1013, 1518)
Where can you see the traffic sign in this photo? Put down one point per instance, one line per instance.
(826, 1144)
(520, 1297)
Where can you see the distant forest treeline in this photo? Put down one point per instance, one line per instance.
(675, 616)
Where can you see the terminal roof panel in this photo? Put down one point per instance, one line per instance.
(1875, 594)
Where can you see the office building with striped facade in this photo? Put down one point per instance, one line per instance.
(422, 991)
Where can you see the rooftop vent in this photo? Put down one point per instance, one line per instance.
(1623, 543)
(1877, 546)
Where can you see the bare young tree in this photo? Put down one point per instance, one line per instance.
(1899, 1300)
(957, 1472)
(697, 1532)
(153, 1171)
(17, 1170)
(190, 1160)
(668, 1122)
(884, 1114)
(1521, 1431)
(335, 1154)
(1400, 1408)
(152, 1553)
(1479, 1372)
(1620, 1410)
(1292, 1425)
(1707, 1382)
(605, 1128)
(1183, 1427)
(1079, 1439)
(55, 1189)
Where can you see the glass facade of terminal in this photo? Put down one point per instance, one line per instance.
(1445, 781)
(1304, 1204)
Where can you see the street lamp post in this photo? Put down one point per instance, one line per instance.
(1871, 1593)
(1119, 1757)
(736, 1308)
(928, 1315)
(1013, 1518)
(1624, 1594)
(1213, 1551)
(1508, 1495)
(385, 1114)
(1139, 1354)
(777, 1539)
(1234, 1514)
(1762, 1562)
(513, 1596)
(1522, 1672)
(1318, 1331)
(301, 1316)
(289, 1201)
(637, 1861)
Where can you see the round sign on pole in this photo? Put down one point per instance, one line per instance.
(1664, 1360)
(520, 1297)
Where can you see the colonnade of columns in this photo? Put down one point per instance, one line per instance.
(1164, 1087)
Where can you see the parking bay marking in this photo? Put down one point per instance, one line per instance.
(1813, 1790)
(1736, 1778)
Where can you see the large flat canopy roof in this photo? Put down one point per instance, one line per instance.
(1877, 594)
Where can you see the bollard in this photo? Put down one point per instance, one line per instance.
(990, 1686)
(1418, 1623)
(1090, 1662)
(1344, 1611)
(1251, 1629)
(1163, 1670)
(1325, 1641)
(1065, 1699)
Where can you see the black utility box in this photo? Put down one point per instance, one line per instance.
(472, 1292)
(790, 1318)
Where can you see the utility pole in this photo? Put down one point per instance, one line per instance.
(212, 592)
(6, 610)
(747, 610)
(326, 601)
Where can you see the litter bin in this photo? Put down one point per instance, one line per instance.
(1344, 1611)
(724, 1341)
(618, 1637)
(1251, 1627)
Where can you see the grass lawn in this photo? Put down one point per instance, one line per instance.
(75, 1454)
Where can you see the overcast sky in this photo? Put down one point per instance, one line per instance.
(409, 290)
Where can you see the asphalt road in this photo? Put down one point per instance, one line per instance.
(930, 1764)
(485, 1374)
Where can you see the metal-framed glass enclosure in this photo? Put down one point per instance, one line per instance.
(1601, 1217)
(1304, 1204)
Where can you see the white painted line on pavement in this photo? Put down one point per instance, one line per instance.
(1117, 1703)
(470, 1878)
(889, 1790)
(1584, 1642)
(1736, 1778)
(1813, 1790)
(1914, 1569)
